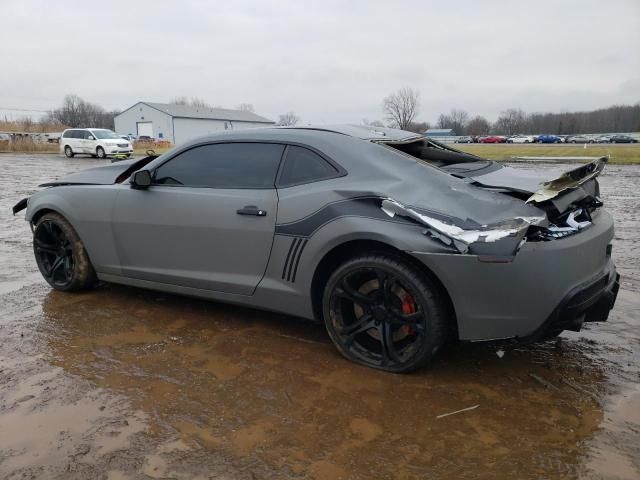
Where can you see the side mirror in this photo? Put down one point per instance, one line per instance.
(91, 137)
(141, 179)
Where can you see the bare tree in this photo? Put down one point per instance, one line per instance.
(478, 125)
(245, 107)
(76, 112)
(418, 127)
(401, 107)
(199, 103)
(193, 102)
(288, 119)
(510, 122)
(179, 100)
(455, 120)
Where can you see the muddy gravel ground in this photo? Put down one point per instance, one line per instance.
(122, 383)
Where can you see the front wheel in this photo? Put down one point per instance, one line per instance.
(383, 313)
(100, 153)
(61, 255)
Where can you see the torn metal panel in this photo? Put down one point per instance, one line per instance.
(104, 175)
(562, 188)
(460, 237)
(569, 180)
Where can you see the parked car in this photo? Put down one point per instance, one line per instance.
(465, 139)
(521, 139)
(548, 139)
(97, 142)
(493, 139)
(579, 139)
(622, 139)
(145, 139)
(603, 139)
(286, 219)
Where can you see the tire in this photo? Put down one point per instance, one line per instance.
(60, 254)
(100, 153)
(68, 152)
(397, 328)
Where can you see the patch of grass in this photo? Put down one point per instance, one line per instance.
(137, 150)
(27, 145)
(619, 154)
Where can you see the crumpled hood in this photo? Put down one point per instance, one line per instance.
(105, 175)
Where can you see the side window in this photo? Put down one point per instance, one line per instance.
(223, 165)
(67, 134)
(77, 134)
(304, 166)
(85, 134)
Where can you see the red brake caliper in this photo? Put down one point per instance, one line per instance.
(408, 306)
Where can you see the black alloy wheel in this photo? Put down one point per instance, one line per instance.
(381, 312)
(60, 255)
(54, 254)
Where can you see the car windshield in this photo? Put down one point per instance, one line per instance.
(102, 134)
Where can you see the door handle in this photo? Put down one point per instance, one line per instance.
(252, 210)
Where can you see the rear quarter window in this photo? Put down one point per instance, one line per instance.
(302, 165)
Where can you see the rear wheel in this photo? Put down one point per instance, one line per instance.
(68, 152)
(61, 255)
(381, 312)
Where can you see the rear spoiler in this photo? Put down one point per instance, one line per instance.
(569, 180)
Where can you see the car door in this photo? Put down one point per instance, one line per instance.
(207, 221)
(91, 142)
(75, 140)
(82, 141)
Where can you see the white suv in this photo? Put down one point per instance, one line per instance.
(97, 142)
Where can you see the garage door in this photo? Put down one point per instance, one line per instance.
(145, 129)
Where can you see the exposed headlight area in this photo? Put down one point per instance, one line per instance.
(567, 224)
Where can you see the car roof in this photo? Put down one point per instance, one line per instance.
(362, 132)
(87, 128)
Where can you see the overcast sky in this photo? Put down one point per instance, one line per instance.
(328, 61)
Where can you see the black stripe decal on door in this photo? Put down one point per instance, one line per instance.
(293, 257)
(286, 262)
(292, 261)
(295, 268)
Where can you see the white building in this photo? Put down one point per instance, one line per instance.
(179, 123)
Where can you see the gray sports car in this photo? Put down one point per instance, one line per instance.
(394, 241)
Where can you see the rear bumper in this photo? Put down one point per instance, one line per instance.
(590, 302)
(547, 287)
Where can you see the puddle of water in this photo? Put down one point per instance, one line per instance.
(120, 383)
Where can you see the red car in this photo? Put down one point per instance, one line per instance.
(493, 139)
